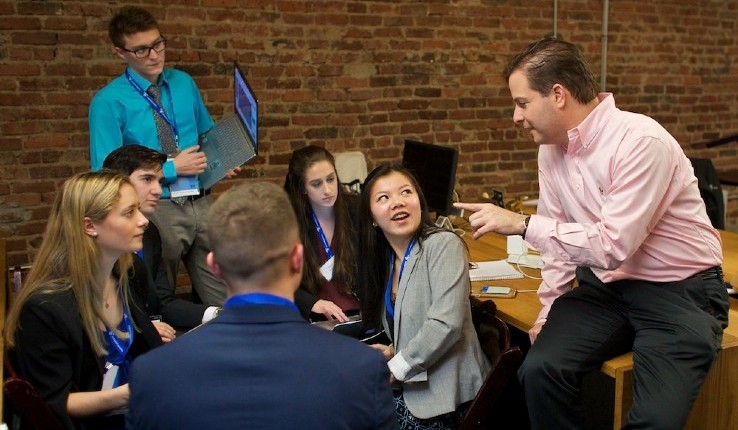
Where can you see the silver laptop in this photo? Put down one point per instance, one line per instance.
(233, 141)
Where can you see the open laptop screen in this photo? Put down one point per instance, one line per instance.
(246, 106)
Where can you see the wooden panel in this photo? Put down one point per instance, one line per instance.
(3, 296)
(623, 395)
(730, 256)
(717, 405)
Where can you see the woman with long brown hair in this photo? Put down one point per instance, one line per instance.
(326, 230)
(73, 330)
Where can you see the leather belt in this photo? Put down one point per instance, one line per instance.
(711, 273)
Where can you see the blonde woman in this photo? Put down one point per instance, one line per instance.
(74, 326)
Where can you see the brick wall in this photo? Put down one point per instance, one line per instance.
(356, 75)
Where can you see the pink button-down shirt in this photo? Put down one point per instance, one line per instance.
(621, 199)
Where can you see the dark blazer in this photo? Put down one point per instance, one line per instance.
(261, 367)
(179, 313)
(54, 353)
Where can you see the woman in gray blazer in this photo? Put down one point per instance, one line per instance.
(416, 285)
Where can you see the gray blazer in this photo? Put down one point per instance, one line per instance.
(438, 357)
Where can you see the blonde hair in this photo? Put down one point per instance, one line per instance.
(68, 258)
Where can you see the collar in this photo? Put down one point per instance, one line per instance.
(583, 135)
(259, 299)
(143, 82)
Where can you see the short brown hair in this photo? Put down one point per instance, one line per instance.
(552, 61)
(129, 158)
(130, 20)
(252, 229)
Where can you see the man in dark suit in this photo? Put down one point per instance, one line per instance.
(144, 168)
(259, 365)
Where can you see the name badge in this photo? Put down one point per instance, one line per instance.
(110, 379)
(184, 186)
(327, 269)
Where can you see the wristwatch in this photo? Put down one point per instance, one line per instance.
(525, 225)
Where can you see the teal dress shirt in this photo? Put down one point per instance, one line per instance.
(119, 115)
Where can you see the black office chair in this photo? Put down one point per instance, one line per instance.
(708, 182)
(26, 401)
(494, 338)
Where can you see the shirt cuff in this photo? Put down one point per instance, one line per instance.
(209, 313)
(399, 367)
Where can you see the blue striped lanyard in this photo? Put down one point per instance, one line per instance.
(156, 106)
(120, 346)
(259, 299)
(321, 235)
(388, 292)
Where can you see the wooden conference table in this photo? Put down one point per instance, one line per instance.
(717, 404)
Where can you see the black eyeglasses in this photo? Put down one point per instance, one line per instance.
(145, 51)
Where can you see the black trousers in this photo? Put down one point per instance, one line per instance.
(673, 328)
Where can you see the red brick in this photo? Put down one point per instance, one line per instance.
(20, 23)
(34, 38)
(65, 23)
(20, 69)
(22, 199)
(47, 141)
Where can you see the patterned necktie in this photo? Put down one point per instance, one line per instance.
(166, 136)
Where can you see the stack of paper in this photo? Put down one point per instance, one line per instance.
(491, 270)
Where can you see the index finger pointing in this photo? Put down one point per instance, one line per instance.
(471, 207)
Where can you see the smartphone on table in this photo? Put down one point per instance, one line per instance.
(497, 291)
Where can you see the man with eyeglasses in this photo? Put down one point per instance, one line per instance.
(161, 109)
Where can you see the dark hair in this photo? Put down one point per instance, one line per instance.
(130, 20)
(374, 268)
(552, 61)
(129, 158)
(344, 269)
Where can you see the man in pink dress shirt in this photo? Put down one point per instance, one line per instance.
(620, 212)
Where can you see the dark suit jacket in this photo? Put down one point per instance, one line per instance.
(54, 353)
(179, 313)
(261, 367)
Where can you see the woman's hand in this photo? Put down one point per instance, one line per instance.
(94, 403)
(166, 331)
(330, 310)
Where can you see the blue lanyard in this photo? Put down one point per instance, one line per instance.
(388, 292)
(259, 299)
(321, 235)
(118, 355)
(156, 106)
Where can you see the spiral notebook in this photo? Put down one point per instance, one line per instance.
(492, 270)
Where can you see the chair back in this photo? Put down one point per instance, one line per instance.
(26, 401)
(492, 332)
(494, 338)
(711, 192)
(351, 170)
